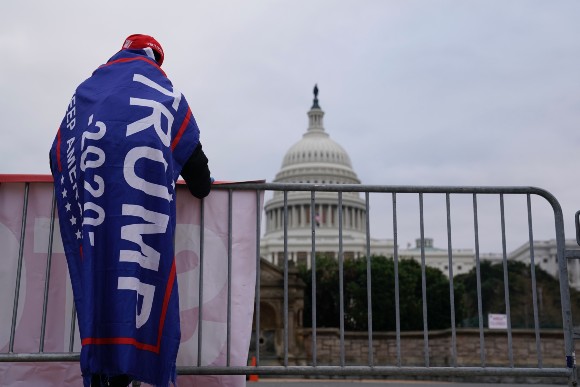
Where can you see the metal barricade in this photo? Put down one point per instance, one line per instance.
(372, 366)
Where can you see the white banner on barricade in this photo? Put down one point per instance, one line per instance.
(216, 254)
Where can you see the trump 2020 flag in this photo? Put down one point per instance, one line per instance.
(117, 155)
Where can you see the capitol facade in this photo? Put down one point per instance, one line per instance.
(316, 158)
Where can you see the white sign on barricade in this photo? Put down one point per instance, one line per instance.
(497, 321)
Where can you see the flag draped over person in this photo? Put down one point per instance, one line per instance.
(123, 142)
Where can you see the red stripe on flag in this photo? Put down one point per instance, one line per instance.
(133, 342)
(181, 129)
(168, 289)
(125, 60)
(120, 340)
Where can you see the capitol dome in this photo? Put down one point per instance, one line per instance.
(316, 158)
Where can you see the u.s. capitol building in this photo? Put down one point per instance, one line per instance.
(316, 158)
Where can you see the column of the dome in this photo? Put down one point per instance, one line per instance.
(348, 217)
(274, 225)
(298, 213)
(364, 220)
(331, 218)
(318, 215)
(329, 215)
(299, 216)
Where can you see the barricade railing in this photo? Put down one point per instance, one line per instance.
(309, 362)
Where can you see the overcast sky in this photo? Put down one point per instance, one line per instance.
(431, 92)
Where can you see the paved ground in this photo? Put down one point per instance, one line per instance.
(378, 383)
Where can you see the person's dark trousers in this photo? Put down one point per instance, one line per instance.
(98, 380)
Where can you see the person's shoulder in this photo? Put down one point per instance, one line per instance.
(127, 62)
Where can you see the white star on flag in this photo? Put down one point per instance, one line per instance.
(78, 234)
(62, 179)
(73, 220)
(64, 193)
(67, 206)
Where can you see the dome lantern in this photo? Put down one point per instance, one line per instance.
(315, 115)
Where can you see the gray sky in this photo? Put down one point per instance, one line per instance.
(431, 92)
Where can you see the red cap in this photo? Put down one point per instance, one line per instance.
(138, 41)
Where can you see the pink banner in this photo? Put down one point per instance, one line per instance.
(27, 337)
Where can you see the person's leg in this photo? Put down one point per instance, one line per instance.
(98, 380)
(120, 381)
(95, 380)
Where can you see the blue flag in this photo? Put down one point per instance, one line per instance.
(119, 150)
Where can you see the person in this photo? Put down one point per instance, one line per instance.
(126, 136)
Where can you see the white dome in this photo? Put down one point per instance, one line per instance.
(316, 148)
(316, 158)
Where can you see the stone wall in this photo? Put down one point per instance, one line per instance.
(440, 348)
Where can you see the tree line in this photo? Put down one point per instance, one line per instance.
(437, 295)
